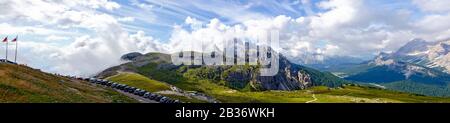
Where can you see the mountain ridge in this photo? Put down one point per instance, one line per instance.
(290, 77)
(431, 54)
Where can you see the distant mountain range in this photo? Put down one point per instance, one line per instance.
(419, 67)
(430, 54)
(385, 70)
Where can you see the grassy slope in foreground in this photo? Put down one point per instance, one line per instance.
(26, 85)
(350, 94)
(347, 94)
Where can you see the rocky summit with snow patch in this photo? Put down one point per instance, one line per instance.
(430, 54)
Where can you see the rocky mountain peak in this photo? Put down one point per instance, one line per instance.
(130, 56)
(414, 45)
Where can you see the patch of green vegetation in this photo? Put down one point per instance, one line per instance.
(419, 88)
(137, 80)
(165, 75)
(323, 78)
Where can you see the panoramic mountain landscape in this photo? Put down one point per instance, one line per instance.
(323, 51)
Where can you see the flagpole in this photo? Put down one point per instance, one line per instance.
(6, 56)
(17, 43)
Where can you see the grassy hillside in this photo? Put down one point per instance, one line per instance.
(136, 80)
(350, 94)
(419, 88)
(320, 94)
(26, 85)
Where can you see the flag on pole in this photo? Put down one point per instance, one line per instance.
(5, 39)
(17, 43)
(15, 39)
(6, 53)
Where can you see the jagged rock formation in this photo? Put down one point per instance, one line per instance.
(290, 77)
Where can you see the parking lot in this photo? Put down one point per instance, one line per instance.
(139, 94)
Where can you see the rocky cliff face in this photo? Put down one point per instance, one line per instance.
(289, 77)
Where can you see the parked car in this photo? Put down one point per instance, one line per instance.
(103, 82)
(122, 87)
(132, 89)
(147, 95)
(168, 100)
(158, 97)
(176, 101)
(142, 93)
(127, 89)
(113, 85)
(136, 92)
(108, 84)
(163, 99)
(97, 81)
(92, 80)
(152, 96)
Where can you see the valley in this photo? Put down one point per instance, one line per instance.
(417, 67)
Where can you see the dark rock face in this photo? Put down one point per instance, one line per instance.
(289, 77)
(131, 56)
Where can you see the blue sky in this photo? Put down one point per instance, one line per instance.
(85, 36)
(158, 17)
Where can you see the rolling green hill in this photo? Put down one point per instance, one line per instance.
(26, 85)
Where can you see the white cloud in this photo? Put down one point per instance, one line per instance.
(433, 5)
(96, 39)
(345, 28)
(102, 43)
(56, 38)
(6, 28)
(126, 19)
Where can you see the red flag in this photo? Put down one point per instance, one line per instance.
(6, 39)
(15, 39)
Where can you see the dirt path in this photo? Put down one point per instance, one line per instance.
(315, 99)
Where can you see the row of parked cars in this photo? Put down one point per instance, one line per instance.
(129, 89)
